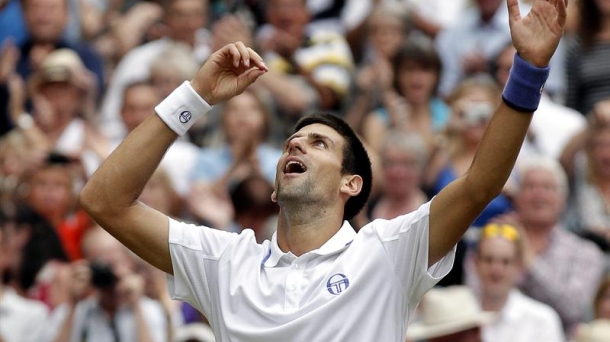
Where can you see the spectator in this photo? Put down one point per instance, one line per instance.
(386, 31)
(411, 102)
(471, 107)
(46, 21)
(553, 125)
(159, 194)
(22, 319)
(586, 161)
(185, 21)
(587, 65)
(245, 125)
(467, 47)
(117, 309)
(253, 208)
(499, 261)
(51, 191)
(403, 158)
(450, 314)
(307, 70)
(561, 269)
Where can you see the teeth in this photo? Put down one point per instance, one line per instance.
(294, 162)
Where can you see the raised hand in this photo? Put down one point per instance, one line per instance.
(537, 35)
(228, 72)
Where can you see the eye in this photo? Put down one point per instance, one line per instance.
(320, 143)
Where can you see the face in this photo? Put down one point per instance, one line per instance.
(540, 200)
(290, 16)
(401, 171)
(51, 191)
(603, 306)
(243, 118)
(138, 104)
(472, 335)
(386, 34)
(603, 6)
(185, 17)
(309, 171)
(64, 97)
(497, 266)
(600, 153)
(417, 83)
(156, 195)
(46, 19)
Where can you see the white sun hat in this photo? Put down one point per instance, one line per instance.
(449, 310)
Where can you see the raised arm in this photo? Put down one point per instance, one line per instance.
(453, 210)
(111, 195)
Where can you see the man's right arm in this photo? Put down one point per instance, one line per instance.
(111, 195)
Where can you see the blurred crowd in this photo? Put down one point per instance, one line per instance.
(417, 79)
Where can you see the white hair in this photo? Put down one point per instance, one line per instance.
(543, 163)
(410, 142)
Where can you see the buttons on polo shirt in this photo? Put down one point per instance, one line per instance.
(296, 266)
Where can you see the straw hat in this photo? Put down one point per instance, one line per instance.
(595, 331)
(445, 311)
(61, 65)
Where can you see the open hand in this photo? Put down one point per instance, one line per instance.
(228, 72)
(537, 35)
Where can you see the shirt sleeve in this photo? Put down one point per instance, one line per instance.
(195, 252)
(405, 240)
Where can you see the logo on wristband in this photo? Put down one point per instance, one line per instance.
(185, 116)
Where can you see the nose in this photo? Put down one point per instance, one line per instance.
(295, 144)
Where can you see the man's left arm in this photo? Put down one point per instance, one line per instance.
(535, 37)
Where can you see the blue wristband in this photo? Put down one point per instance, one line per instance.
(524, 87)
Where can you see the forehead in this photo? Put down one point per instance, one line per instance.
(539, 176)
(496, 246)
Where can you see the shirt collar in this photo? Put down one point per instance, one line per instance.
(338, 242)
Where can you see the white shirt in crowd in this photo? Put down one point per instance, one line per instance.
(91, 323)
(524, 320)
(356, 287)
(21, 319)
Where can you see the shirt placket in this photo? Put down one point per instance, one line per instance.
(294, 284)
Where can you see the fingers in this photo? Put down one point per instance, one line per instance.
(240, 53)
(513, 10)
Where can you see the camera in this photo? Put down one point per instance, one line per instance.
(102, 276)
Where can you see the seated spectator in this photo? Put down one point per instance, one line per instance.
(471, 108)
(595, 331)
(22, 319)
(450, 314)
(307, 70)
(410, 103)
(107, 301)
(561, 269)
(499, 262)
(245, 125)
(185, 21)
(467, 47)
(386, 29)
(403, 158)
(253, 208)
(52, 192)
(586, 162)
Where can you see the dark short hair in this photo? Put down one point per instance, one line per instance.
(419, 52)
(355, 158)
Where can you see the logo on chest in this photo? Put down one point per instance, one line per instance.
(337, 283)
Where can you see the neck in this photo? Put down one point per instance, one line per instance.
(538, 236)
(305, 230)
(494, 302)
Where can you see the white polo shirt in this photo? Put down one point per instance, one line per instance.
(356, 287)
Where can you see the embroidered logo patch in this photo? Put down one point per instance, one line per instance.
(337, 283)
(185, 116)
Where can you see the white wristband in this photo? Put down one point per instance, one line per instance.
(182, 108)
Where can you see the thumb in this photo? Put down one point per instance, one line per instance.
(250, 76)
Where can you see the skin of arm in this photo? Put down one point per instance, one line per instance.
(536, 37)
(111, 195)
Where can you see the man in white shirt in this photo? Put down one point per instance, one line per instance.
(499, 261)
(317, 280)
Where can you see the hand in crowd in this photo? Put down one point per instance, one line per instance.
(376, 75)
(210, 206)
(228, 29)
(9, 55)
(80, 283)
(601, 113)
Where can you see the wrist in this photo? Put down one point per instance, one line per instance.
(202, 92)
(182, 108)
(525, 85)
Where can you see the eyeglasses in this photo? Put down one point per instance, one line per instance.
(506, 231)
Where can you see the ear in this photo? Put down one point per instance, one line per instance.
(352, 184)
(274, 197)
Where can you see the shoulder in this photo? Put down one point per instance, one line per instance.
(533, 308)
(577, 246)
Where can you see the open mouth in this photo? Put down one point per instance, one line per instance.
(294, 167)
